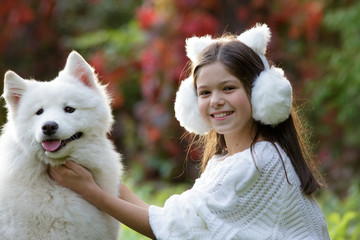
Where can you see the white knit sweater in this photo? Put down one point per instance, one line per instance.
(236, 199)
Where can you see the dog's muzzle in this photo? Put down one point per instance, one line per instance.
(53, 145)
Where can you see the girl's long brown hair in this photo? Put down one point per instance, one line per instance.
(246, 65)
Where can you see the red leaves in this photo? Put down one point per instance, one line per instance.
(113, 77)
(304, 19)
(242, 13)
(149, 65)
(146, 16)
(198, 23)
(313, 20)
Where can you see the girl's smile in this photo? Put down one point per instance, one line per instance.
(221, 115)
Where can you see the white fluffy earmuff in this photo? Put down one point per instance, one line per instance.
(195, 45)
(186, 109)
(271, 95)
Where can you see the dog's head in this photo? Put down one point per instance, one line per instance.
(57, 118)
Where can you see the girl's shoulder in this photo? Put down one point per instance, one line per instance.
(240, 170)
(264, 152)
(262, 149)
(259, 156)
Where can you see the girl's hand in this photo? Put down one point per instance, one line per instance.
(74, 177)
(130, 210)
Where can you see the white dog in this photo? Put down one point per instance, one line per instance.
(49, 123)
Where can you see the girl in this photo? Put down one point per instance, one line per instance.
(257, 178)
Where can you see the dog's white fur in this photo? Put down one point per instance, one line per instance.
(32, 206)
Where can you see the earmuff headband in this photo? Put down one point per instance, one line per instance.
(271, 94)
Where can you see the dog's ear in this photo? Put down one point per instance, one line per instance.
(77, 67)
(14, 88)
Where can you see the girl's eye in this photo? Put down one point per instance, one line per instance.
(69, 109)
(229, 88)
(40, 111)
(204, 93)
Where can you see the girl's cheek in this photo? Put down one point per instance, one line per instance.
(202, 105)
(242, 99)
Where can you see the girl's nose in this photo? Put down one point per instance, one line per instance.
(216, 99)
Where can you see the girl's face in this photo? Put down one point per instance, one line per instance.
(223, 101)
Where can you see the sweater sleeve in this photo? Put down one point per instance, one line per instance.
(207, 210)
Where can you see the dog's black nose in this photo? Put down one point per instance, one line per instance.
(49, 128)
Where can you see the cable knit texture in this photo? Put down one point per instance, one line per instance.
(237, 199)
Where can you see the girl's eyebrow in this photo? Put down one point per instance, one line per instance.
(201, 86)
(231, 80)
(220, 83)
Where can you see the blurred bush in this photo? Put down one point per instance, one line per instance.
(336, 95)
(137, 48)
(342, 215)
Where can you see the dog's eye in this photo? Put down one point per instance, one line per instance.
(40, 111)
(69, 109)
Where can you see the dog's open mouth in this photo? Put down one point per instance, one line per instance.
(53, 145)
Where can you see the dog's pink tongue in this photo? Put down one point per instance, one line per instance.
(51, 145)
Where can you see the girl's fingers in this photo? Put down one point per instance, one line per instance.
(53, 173)
(76, 168)
(72, 166)
(50, 172)
(58, 173)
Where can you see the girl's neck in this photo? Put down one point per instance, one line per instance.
(235, 145)
(238, 142)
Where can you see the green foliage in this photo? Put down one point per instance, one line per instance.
(342, 215)
(77, 17)
(335, 94)
(339, 86)
(117, 44)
